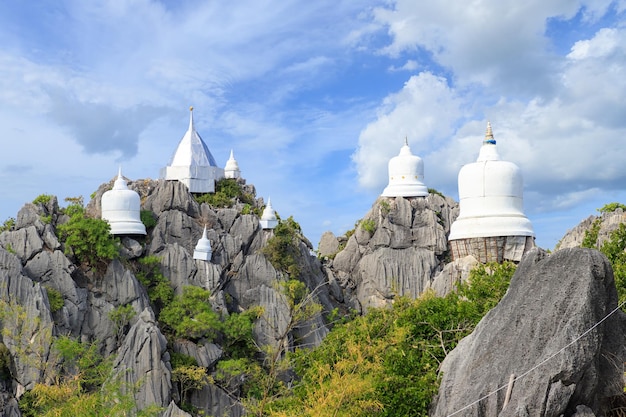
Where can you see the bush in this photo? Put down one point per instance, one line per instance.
(227, 192)
(369, 225)
(282, 249)
(190, 315)
(611, 207)
(55, 298)
(8, 224)
(89, 239)
(42, 199)
(148, 219)
(158, 286)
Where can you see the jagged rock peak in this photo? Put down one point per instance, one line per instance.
(551, 300)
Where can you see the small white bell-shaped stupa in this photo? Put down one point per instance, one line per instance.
(268, 219)
(231, 170)
(203, 249)
(192, 163)
(406, 175)
(491, 205)
(121, 207)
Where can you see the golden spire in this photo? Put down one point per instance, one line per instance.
(489, 135)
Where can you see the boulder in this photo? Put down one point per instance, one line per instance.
(538, 332)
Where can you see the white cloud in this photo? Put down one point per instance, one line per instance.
(424, 111)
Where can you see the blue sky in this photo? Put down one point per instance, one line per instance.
(315, 97)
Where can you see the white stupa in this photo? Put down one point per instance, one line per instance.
(203, 249)
(491, 205)
(406, 175)
(192, 163)
(268, 219)
(231, 170)
(121, 207)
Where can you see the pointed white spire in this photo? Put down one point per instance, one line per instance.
(120, 182)
(192, 163)
(268, 219)
(231, 170)
(203, 249)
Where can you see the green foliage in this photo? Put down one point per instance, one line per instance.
(5, 362)
(55, 298)
(8, 224)
(369, 225)
(82, 360)
(385, 363)
(121, 316)
(227, 192)
(611, 207)
(190, 377)
(190, 315)
(433, 191)
(88, 238)
(158, 286)
(591, 235)
(46, 219)
(250, 209)
(9, 248)
(178, 360)
(384, 206)
(282, 249)
(42, 199)
(148, 219)
(237, 330)
(614, 249)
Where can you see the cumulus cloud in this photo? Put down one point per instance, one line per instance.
(424, 112)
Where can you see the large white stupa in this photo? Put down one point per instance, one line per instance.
(192, 163)
(406, 175)
(121, 207)
(268, 218)
(231, 170)
(491, 206)
(203, 249)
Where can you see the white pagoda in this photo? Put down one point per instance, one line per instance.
(203, 249)
(231, 170)
(268, 218)
(121, 207)
(406, 175)
(192, 163)
(491, 225)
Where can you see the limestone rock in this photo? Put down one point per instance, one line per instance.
(173, 411)
(171, 195)
(452, 274)
(206, 355)
(329, 244)
(216, 402)
(143, 362)
(551, 300)
(608, 221)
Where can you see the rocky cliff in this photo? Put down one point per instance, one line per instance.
(551, 331)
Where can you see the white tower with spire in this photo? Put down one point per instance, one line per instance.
(203, 249)
(231, 170)
(406, 175)
(491, 225)
(121, 207)
(268, 219)
(192, 163)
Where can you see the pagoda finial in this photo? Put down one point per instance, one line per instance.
(190, 117)
(119, 172)
(489, 135)
(406, 141)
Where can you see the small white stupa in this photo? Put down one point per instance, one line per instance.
(203, 249)
(491, 206)
(192, 163)
(231, 170)
(121, 207)
(268, 219)
(406, 175)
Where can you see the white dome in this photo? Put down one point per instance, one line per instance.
(231, 170)
(406, 175)
(203, 249)
(490, 197)
(121, 207)
(268, 219)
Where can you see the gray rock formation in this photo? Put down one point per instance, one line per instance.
(397, 249)
(551, 301)
(608, 222)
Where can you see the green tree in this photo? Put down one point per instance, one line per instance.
(121, 316)
(158, 286)
(87, 238)
(190, 315)
(282, 249)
